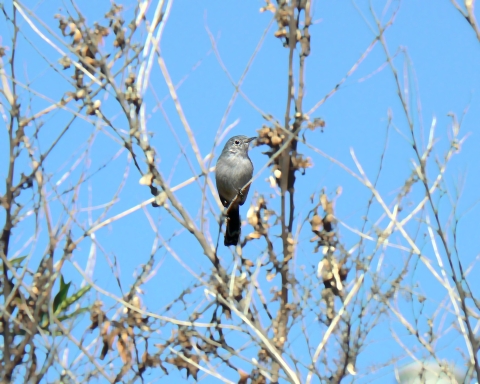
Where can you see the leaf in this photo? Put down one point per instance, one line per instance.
(61, 296)
(44, 321)
(15, 262)
(74, 314)
(67, 302)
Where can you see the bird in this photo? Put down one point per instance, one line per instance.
(233, 171)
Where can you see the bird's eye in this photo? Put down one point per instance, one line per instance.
(237, 142)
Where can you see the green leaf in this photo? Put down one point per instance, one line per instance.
(17, 261)
(61, 296)
(74, 314)
(44, 320)
(72, 299)
(14, 262)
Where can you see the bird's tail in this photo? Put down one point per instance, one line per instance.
(234, 225)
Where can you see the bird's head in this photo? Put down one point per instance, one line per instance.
(238, 144)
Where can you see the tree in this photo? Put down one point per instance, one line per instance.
(357, 256)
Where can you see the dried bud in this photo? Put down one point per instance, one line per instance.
(273, 182)
(150, 156)
(298, 36)
(316, 223)
(72, 27)
(77, 36)
(146, 179)
(276, 140)
(161, 198)
(130, 79)
(252, 217)
(65, 62)
(80, 94)
(254, 235)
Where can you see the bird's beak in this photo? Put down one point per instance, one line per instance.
(251, 139)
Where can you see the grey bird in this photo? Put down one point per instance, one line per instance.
(234, 170)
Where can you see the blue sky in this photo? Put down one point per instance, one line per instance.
(438, 60)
